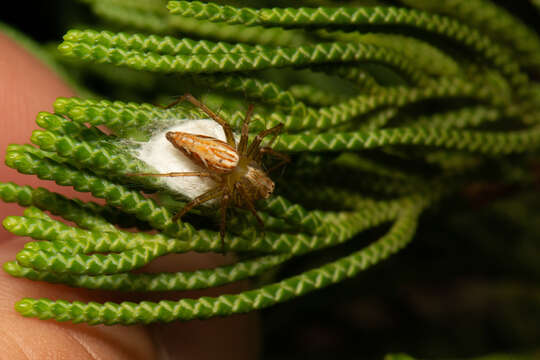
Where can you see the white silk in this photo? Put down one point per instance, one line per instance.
(162, 156)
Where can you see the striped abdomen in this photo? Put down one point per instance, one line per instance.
(206, 151)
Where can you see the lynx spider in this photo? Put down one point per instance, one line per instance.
(236, 168)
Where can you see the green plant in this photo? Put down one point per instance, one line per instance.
(381, 125)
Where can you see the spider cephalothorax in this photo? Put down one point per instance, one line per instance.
(235, 167)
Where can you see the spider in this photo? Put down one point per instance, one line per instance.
(235, 168)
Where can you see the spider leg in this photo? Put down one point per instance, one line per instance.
(174, 174)
(268, 150)
(254, 148)
(271, 142)
(225, 199)
(174, 103)
(209, 195)
(245, 128)
(250, 206)
(225, 125)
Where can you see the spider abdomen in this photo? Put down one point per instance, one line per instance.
(206, 151)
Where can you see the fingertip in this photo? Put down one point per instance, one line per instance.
(31, 338)
(28, 87)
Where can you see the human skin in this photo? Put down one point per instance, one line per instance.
(26, 87)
